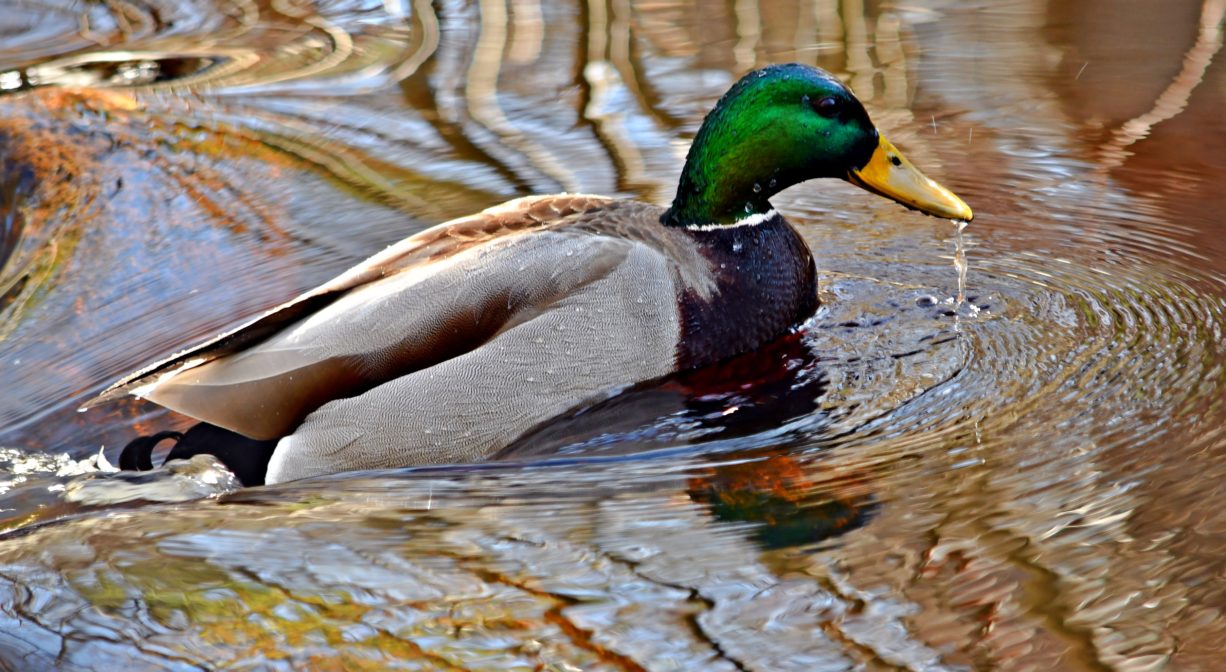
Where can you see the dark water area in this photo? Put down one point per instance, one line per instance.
(1027, 481)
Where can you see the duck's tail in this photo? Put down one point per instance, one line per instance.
(246, 458)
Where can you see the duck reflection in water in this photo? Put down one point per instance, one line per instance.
(788, 502)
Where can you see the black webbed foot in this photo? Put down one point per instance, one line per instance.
(138, 454)
(246, 458)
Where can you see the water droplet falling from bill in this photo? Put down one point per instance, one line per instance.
(960, 262)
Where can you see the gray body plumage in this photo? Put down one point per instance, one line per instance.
(592, 325)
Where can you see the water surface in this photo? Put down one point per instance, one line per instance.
(1026, 481)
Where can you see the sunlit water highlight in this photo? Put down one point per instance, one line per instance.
(1008, 464)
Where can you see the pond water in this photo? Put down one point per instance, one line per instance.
(1026, 481)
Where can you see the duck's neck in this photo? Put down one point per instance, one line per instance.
(727, 179)
(709, 198)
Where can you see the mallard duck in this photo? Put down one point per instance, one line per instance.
(447, 346)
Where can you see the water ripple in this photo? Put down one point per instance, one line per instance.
(903, 482)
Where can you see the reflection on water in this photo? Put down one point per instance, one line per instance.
(1026, 483)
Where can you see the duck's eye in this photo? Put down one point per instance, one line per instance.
(828, 106)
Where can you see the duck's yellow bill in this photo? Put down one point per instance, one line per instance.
(888, 173)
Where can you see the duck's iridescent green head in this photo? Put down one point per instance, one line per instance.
(785, 124)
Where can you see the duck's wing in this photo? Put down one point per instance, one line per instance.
(407, 307)
(617, 327)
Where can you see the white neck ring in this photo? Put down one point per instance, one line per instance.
(752, 220)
